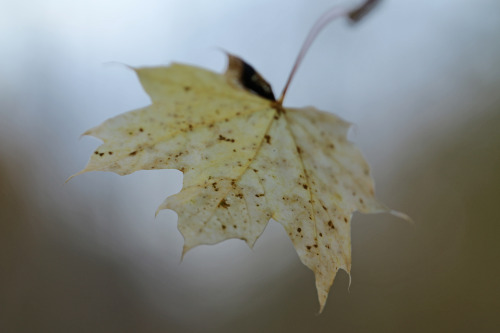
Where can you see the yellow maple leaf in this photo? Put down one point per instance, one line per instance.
(246, 159)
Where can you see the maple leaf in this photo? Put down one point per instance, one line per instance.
(246, 159)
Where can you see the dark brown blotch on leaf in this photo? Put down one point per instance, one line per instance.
(244, 75)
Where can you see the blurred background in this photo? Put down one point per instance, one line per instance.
(421, 81)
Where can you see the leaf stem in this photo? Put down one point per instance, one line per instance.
(354, 15)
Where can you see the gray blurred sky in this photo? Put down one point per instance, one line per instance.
(420, 80)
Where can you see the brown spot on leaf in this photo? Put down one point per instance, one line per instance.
(268, 138)
(187, 88)
(133, 153)
(100, 154)
(223, 138)
(224, 204)
(141, 129)
(223, 227)
(305, 186)
(299, 230)
(330, 224)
